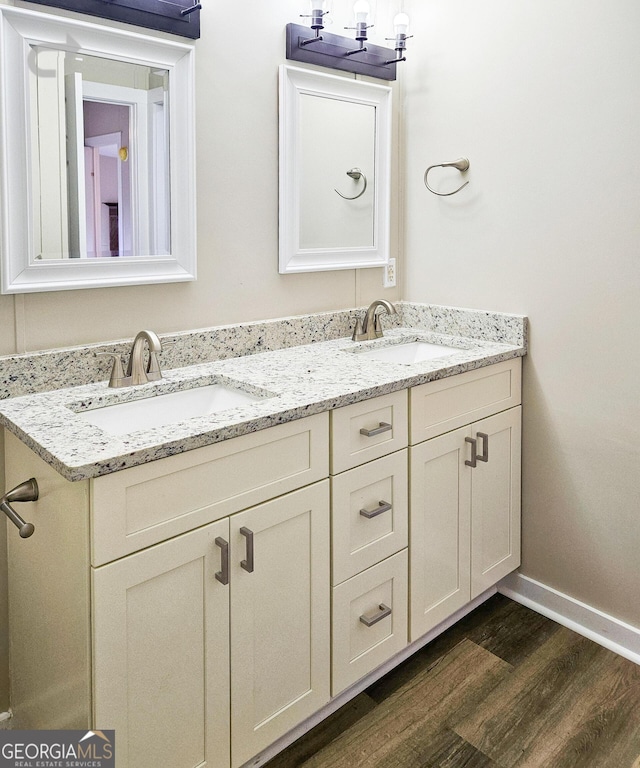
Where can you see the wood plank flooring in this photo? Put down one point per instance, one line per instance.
(503, 688)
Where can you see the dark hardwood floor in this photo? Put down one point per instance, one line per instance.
(504, 687)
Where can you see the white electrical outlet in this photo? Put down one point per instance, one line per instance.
(389, 274)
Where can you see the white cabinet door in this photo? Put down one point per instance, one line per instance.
(279, 617)
(161, 653)
(464, 520)
(495, 500)
(439, 543)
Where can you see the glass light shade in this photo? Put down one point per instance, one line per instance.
(361, 10)
(401, 24)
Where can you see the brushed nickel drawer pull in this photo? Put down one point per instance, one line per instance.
(223, 574)
(383, 427)
(474, 452)
(248, 563)
(485, 446)
(382, 613)
(383, 506)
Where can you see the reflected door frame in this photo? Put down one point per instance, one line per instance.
(93, 185)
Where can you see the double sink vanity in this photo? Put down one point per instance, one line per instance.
(232, 549)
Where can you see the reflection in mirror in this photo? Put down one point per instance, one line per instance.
(97, 148)
(335, 151)
(106, 123)
(336, 136)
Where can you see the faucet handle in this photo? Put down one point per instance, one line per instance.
(154, 372)
(153, 367)
(358, 331)
(377, 325)
(117, 378)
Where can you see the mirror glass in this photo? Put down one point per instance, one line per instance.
(105, 122)
(99, 152)
(335, 144)
(330, 189)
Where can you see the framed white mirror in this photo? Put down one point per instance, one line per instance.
(97, 155)
(335, 154)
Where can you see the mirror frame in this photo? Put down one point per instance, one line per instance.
(295, 82)
(21, 273)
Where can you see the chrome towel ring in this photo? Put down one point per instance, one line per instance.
(462, 164)
(356, 174)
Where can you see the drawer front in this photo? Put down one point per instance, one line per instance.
(368, 430)
(141, 506)
(443, 405)
(370, 516)
(369, 620)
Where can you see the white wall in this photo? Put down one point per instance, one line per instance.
(544, 99)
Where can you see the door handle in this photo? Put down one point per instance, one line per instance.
(248, 563)
(485, 446)
(474, 452)
(223, 574)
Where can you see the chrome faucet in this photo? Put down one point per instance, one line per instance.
(137, 371)
(371, 327)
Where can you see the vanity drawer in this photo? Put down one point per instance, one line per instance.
(368, 430)
(139, 507)
(379, 597)
(443, 405)
(370, 515)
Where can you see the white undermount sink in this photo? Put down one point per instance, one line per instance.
(410, 352)
(158, 411)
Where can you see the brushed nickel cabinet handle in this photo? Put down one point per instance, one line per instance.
(474, 452)
(248, 563)
(382, 613)
(383, 506)
(485, 446)
(383, 427)
(223, 574)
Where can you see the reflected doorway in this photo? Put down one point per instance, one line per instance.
(107, 192)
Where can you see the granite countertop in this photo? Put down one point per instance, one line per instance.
(290, 383)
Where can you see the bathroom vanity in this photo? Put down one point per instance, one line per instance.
(205, 603)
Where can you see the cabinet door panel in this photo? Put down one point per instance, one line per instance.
(279, 618)
(495, 500)
(161, 650)
(440, 530)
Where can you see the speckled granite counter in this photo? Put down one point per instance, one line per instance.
(290, 383)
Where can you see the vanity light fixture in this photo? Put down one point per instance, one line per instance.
(337, 51)
(319, 10)
(400, 28)
(361, 11)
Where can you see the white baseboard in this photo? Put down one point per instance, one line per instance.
(623, 639)
(5, 719)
